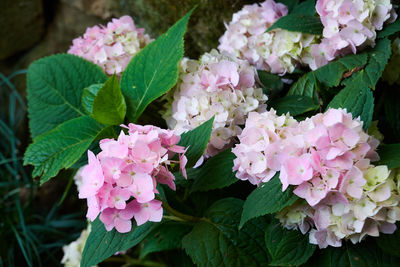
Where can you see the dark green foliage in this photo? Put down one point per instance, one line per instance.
(271, 193)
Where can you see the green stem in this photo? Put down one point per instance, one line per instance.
(184, 217)
(135, 262)
(173, 218)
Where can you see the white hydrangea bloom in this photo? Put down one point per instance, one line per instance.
(278, 51)
(335, 219)
(216, 85)
(73, 251)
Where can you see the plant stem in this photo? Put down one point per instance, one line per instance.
(134, 262)
(184, 217)
(173, 218)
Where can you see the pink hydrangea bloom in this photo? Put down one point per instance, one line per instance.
(330, 145)
(339, 216)
(326, 158)
(278, 51)
(111, 47)
(120, 182)
(216, 85)
(257, 154)
(349, 25)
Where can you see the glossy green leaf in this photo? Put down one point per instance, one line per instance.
(109, 105)
(332, 73)
(377, 60)
(287, 247)
(55, 85)
(272, 84)
(102, 244)
(154, 70)
(390, 243)
(291, 4)
(305, 8)
(389, 30)
(364, 254)
(88, 96)
(196, 140)
(61, 147)
(215, 173)
(293, 104)
(307, 86)
(390, 155)
(299, 23)
(357, 98)
(271, 193)
(166, 236)
(216, 240)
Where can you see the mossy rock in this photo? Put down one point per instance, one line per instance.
(21, 25)
(205, 27)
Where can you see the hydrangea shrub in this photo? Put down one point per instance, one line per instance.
(283, 145)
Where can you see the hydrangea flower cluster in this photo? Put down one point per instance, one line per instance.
(339, 217)
(73, 251)
(327, 158)
(120, 182)
(349, 25)
(216, 85)
(256, 154)
(278, 51)
(111, 47)
(392, 70)
(327, 153)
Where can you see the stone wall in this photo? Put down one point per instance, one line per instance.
(31, 29)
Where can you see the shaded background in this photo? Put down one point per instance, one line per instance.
(35, 221)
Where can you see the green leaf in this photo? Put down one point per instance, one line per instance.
(61, 147)
(270, 81)
(216, 173)
(55, 86)
(389, 29)
(166, 236)
(197, 140)
(102, 244)
(294, 104)
(216, 240)
(307, 86)
(109, 105)
(291, 4)
(266, 199)
(287, 247)
(88, 96)
(390, 155)
(305, 8)
(331, 74)
(390, 243)
(357, 98)
(299, 23)
(154, 70)
(377, 60)
(360, 255)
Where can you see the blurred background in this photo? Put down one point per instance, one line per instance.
(35, 221)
